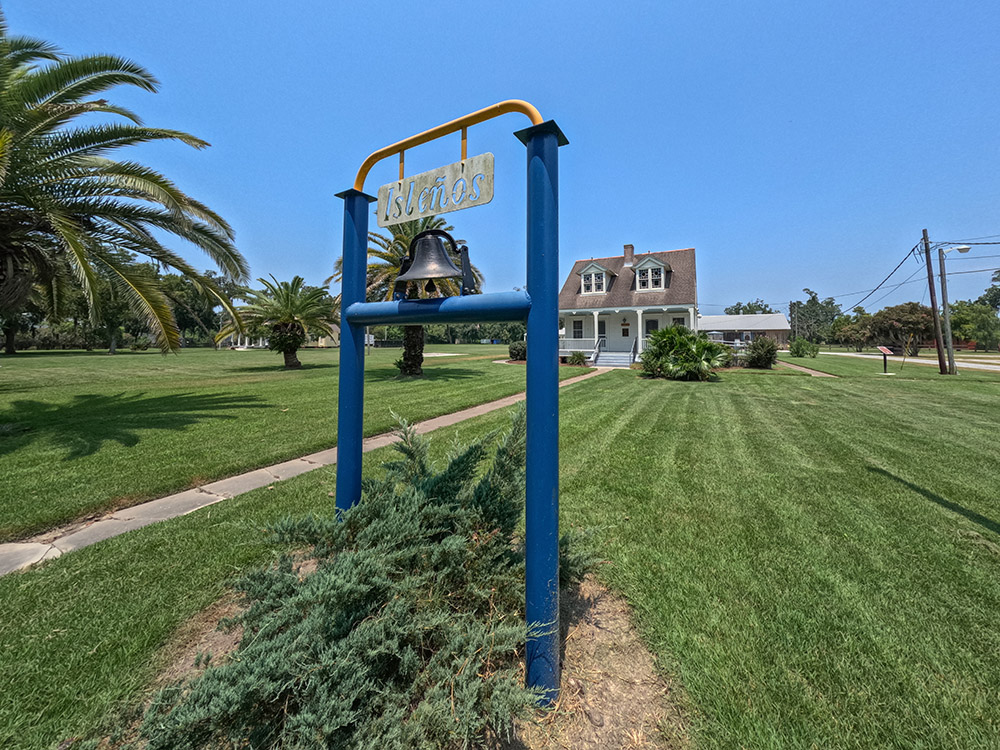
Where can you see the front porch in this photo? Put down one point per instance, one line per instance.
(617, 335)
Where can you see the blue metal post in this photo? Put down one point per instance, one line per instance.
(542, 465)
(351, 397)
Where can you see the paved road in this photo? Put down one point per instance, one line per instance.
(962, 364)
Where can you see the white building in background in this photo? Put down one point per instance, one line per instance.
(745, 328)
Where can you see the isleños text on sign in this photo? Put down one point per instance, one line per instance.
(464, 184)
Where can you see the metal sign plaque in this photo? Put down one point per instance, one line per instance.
(464, 184)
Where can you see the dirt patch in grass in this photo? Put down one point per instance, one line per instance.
(200, 642)
(612, 697)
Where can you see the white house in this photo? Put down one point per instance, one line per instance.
(609, 306)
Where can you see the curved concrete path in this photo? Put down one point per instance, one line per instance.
(17, 555)
(800, 368)
(988, 365)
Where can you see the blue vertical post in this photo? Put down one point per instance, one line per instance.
(542, 463)
(351, 397)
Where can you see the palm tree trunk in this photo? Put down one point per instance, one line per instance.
(9, 335)
(291, 359)
(413, 351)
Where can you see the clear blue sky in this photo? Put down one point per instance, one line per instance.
(794, 144)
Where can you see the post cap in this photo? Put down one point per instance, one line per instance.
(549, 126)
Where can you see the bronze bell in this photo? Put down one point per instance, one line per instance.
(428, 259)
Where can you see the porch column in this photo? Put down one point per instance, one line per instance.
(638, 331)
(595, 327)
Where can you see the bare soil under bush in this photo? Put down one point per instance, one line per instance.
(611, 698)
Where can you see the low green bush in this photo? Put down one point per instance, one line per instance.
(409, 634)
(802, 347)
(680, 354)
(139, 343)
(762, 353)
(518, 350)
(577, 359)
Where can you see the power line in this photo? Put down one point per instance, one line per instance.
(964, 242)
(895, 287)
(887, 277)
(987, 237)
(976, 270)
(972, 257)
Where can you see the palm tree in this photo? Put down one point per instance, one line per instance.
(289, 311)
(389, 252)
(64, 204)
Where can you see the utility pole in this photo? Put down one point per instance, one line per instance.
(949, 345)
(938, 341)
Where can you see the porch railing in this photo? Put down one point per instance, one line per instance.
(599, 346)
(590, 344)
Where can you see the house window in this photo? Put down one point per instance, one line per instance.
(679, 321)
(649, 278)
(593, 283)
(625, 332)
(601, 328)
(578, 329)
(652, 324)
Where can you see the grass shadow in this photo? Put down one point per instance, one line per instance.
(986, 523)
(48, 353)
(278, 367)
(84, 423)
(443, 373)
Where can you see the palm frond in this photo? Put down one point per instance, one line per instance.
(71, 79)
(145, 298)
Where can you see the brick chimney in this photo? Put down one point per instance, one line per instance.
(629, 255)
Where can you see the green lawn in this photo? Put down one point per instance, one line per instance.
(817, 561)
(924, 368)
(84, 432)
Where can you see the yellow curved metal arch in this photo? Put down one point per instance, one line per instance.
(474, 118)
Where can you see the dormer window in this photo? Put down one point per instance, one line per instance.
(593, 283)
(649, 276)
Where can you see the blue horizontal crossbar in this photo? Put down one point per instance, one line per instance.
(473, 308)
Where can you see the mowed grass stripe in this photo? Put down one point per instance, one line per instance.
(821, 585)
(87, 433)
(801, 565)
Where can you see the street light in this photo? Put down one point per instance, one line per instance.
(944, 301)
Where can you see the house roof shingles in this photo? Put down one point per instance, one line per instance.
(679, 283)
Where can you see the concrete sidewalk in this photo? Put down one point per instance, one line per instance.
(17, 555)
(800, 368)
(959, 363)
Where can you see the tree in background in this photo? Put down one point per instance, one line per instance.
(195, 310)
(991, 296)
(813, 319)
(389, 251)
(853, 330)
(66, 206)
(974, 321)
(756, 307)
(289, 312)
(905, 325)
